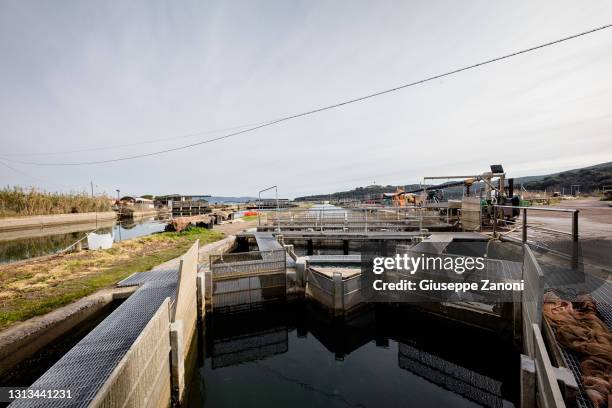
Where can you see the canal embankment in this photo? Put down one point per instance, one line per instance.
(40, 285)
(38, 222)
(24, 339)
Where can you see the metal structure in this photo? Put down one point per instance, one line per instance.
(247, 279)
(358, 220)
(259, 202)
(531, 303)
(339, 294)
(497, 172)
(88, 365)
(574, 228)
(142, 377)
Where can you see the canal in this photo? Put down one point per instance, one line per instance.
(12, 250)
(384, 357)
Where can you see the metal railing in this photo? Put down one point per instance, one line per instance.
(531, 302)
(246, 279)
(356, 220)
(540, 382)
(524, 225)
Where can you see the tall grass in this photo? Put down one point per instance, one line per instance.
(17, 201)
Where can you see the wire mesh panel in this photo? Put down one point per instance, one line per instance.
(359, 220)
(142, 377)
(532, 299)
(245, 279)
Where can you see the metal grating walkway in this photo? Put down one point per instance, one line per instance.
(568, 284)
(85, 368)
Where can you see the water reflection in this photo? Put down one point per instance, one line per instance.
(53, 240)
(297, 356)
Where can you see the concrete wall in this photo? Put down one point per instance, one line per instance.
(44, 221)
(142, 377)
(26, 338)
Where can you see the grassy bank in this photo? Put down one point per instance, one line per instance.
(39, 286)
(17, 201)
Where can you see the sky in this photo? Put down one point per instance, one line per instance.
(81, 80)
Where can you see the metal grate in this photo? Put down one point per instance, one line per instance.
(572, 359)
(85, 368)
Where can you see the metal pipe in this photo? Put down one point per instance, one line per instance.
(575, 226)
(494, 222)
(536, 208)
(259, 202)
(524, 225)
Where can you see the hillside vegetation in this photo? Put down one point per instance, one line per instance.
(17, 201)
(590, 179)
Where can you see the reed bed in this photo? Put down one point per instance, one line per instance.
(17, 201)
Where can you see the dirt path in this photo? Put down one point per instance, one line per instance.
(235, 226)
(594, 229)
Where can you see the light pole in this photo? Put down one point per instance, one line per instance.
(259, 206)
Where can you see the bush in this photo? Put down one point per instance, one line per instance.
(18, 201)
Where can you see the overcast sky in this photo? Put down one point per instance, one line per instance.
(78, 75)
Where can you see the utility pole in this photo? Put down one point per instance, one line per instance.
(91, 184)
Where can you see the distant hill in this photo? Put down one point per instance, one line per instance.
(227, 200)
(360, 193)
(589, 178)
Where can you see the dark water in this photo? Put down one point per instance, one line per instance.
(295, 356)
(18, 249)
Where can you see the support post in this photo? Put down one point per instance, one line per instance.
(575, 226)
(494, 222)
(177, 360)
(201, 294)
(338, 294)
(524, 225)
(528, 383)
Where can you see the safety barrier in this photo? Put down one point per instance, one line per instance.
(136, 356)
(356, 220)
(248, 279)
(539, 378)
(142, 377)
(185, 306)
(532, 299)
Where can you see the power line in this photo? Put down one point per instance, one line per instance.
(324, 108)
(40, 179)
(92, 149)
